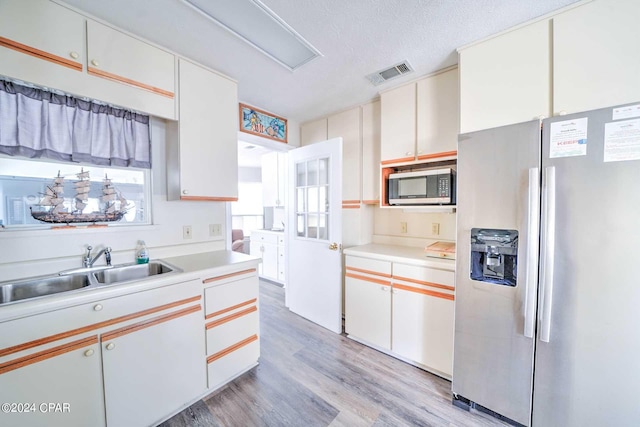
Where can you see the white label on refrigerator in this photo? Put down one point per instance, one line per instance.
(622, 141)
(568, 138)
(627, 112)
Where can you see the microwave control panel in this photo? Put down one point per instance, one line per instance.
(443, 186)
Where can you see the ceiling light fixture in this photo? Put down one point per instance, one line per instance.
(256, 24)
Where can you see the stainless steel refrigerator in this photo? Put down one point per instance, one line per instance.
(547, 311)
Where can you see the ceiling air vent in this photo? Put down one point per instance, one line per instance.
(387, 74)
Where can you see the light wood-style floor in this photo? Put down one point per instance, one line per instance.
(309, 376)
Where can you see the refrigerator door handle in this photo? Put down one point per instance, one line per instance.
(533, 231)
(548, 256)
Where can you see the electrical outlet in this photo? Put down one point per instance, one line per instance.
(215, 230)
(435, 228)
(403, 227)
(186, 232)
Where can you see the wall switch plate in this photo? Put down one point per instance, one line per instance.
(187, 232)
(435, 228)
(215, 230)
(403, 227)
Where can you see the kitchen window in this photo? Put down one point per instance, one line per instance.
(24, 183)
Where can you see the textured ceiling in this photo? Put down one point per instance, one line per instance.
(356, 38)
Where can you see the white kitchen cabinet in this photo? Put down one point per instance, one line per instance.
(312, 132)
(232, 325)
(114, 55)
(346, 125)
(368, 301)
(371, 153)
(595, 64)
(419, 121)
(270, 247)
(405, 310)
(153, 367)
(423, 307)
(274, 179)
(202, 157)
(506, 79)
(69, 374)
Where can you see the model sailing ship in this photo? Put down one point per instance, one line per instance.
(52, 202)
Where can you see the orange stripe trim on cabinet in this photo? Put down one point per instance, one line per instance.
(368, 279)
(424, 291)
(350, 202)
(134, 83)
(67, 334)
(228, 309)
(362, 270)
(148, 323)
(402, 160)
(350, 206)
(422, 282)
(438, 155)
(225, 276)
(231, 317)
(370, 202)
(46, 354)
(23, 48)
(231, 349)
(208, 199)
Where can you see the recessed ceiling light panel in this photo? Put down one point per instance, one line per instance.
(256, 24)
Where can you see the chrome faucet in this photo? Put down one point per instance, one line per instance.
(88, 262)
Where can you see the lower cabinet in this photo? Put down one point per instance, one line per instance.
(406, 310)
(270, 247)
(232, 325)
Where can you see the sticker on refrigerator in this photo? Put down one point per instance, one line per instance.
(622, 141)
(628, 112)
(568, 138)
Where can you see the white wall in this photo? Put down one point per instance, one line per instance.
(387, 227)
(248, 174)
(36, 252)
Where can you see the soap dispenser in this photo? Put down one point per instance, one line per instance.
(142, 253)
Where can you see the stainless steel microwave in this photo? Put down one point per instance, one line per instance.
(425, 187)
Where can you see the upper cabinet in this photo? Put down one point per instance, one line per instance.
(595, 56)
(122, 58)
(371, 153)
(419, 121)
(202, 159)
(46, 44)
(505, 79)
(347, 125)
(577, 60)
(312, 132)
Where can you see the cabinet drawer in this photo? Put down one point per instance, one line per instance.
(281, 239)
(227, 297)
(228, 330)
(264, 238)
(228, 363)
(369, 266)
(64, 324)
(442, 279)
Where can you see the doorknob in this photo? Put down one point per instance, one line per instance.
(333, 246)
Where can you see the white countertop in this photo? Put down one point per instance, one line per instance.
(192, 266)
(402, 254)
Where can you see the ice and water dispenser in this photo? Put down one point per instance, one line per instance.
(494, 256)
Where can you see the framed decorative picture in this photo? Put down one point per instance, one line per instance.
(261, 123)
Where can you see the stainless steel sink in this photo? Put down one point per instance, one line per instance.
(131, 272)
(41, 286)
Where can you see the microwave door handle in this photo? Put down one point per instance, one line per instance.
(533, 230)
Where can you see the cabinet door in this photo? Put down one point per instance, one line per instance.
(438, 105)
(43, 30)
(347, 125)
(282, 179)
(116, 56)
(269, 171)
(368, 310)
(398, 124)
(70, 375)
(153, 368)
(312, 132)
(595, 61)
(282, 264)
(371, 153)
(505, 79)
(208, 135)
(270, 261)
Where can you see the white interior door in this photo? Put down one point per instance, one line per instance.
(314, 284)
